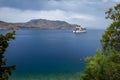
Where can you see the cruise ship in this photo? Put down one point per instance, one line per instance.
(79, 29)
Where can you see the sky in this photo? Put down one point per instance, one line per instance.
(87, 13)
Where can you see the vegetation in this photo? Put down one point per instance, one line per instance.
(111, 37)
(102, 67)
(105, 65)
(5, 71)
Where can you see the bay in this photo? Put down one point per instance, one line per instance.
(57, 53)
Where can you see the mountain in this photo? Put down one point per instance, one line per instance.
(5, 25)
(37, 23)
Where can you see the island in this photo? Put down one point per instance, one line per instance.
(37, 23)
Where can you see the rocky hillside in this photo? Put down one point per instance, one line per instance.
(37, 23)
(4, 25)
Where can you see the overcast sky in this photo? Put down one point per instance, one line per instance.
(88, 13)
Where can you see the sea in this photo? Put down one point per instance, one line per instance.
(51, 54)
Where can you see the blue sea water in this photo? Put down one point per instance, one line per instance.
(44, 52)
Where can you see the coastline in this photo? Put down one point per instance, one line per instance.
(58, 76)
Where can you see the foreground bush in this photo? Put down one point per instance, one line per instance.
(5, 71)
(103, 67)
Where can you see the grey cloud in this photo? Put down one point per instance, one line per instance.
(95, 8)
(23, 4)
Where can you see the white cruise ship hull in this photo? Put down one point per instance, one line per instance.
(78, 31)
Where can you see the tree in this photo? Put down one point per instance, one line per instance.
(111, 37)
(5, 71)
(105, 65)
(114, 13)
(102, 67)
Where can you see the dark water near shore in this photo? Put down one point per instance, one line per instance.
(51, 52)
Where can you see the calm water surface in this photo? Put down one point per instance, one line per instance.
(44, 52)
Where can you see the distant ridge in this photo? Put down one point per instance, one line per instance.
(37, 23)
(5, 25)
